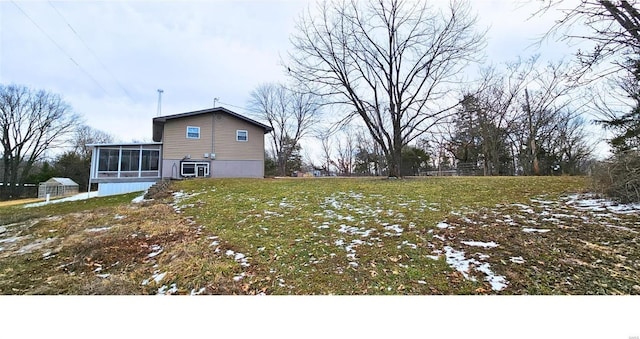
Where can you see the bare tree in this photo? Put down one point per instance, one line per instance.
(325, 141)
(388, 62)
(571, 145)
(85, 135)
(31, 122)
(522, 117)
(612, 26)
(499, 103)
(345, 158)
(547, 94)
(291, 114)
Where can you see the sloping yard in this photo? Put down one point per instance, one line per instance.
(520, 235)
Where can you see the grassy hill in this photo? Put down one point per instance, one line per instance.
(471, 235)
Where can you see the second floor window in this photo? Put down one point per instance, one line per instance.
(193, 132)
(242, 135)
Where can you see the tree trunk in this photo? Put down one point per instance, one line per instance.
(535, 166)
(282, 165)
(534, 154)
(395, 158)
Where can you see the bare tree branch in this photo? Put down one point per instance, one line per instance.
(31, 123)
(388, 61)
(291, 114)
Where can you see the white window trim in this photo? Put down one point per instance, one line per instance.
(195, 164)
(246, 133)
(182, 169)
(187, 134)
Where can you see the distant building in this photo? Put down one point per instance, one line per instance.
(57, 187)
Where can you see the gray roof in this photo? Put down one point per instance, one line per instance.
(159, 121)
(136, 144)
(62, 181)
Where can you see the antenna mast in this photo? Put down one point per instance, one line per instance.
(159, 102)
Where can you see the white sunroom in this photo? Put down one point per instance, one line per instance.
(122, 168)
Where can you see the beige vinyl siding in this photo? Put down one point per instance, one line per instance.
(226, 146)
(175, 142)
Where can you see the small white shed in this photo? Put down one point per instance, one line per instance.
(57, 187)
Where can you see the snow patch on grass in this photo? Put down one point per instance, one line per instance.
(10, 240)
(396, 228)
(497, 282)
(198, 292)
(156, 277)
(517, 260)
(238, 257)
(179, 197)
(456, 259)
(524, 208)
(164, 290)
(490, 244)
(408, 244)
(98, 229)
(157, 249)
(352, 230)
(239, 277)
(139, 199)
(590, 202)
(443, 225)
(77, 197)
(535, 230)
(39, 243)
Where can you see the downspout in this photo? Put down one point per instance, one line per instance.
(213, 144)
(161, 158)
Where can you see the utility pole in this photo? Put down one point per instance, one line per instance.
(214, 102)
(159, 102)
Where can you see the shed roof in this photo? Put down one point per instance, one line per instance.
(62, 181)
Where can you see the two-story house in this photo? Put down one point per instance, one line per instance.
(215, 143)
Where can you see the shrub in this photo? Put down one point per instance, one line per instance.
(619, 177)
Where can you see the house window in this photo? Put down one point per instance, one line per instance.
(242, 135)
(193, 132)
(194, 169)
(188, 169)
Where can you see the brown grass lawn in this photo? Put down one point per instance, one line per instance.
(19, 202)
(417, 236)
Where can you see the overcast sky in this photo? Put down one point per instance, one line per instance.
(109, 58)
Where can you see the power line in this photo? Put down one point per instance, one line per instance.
(60, 48)
(243, 108)
(91, 51)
